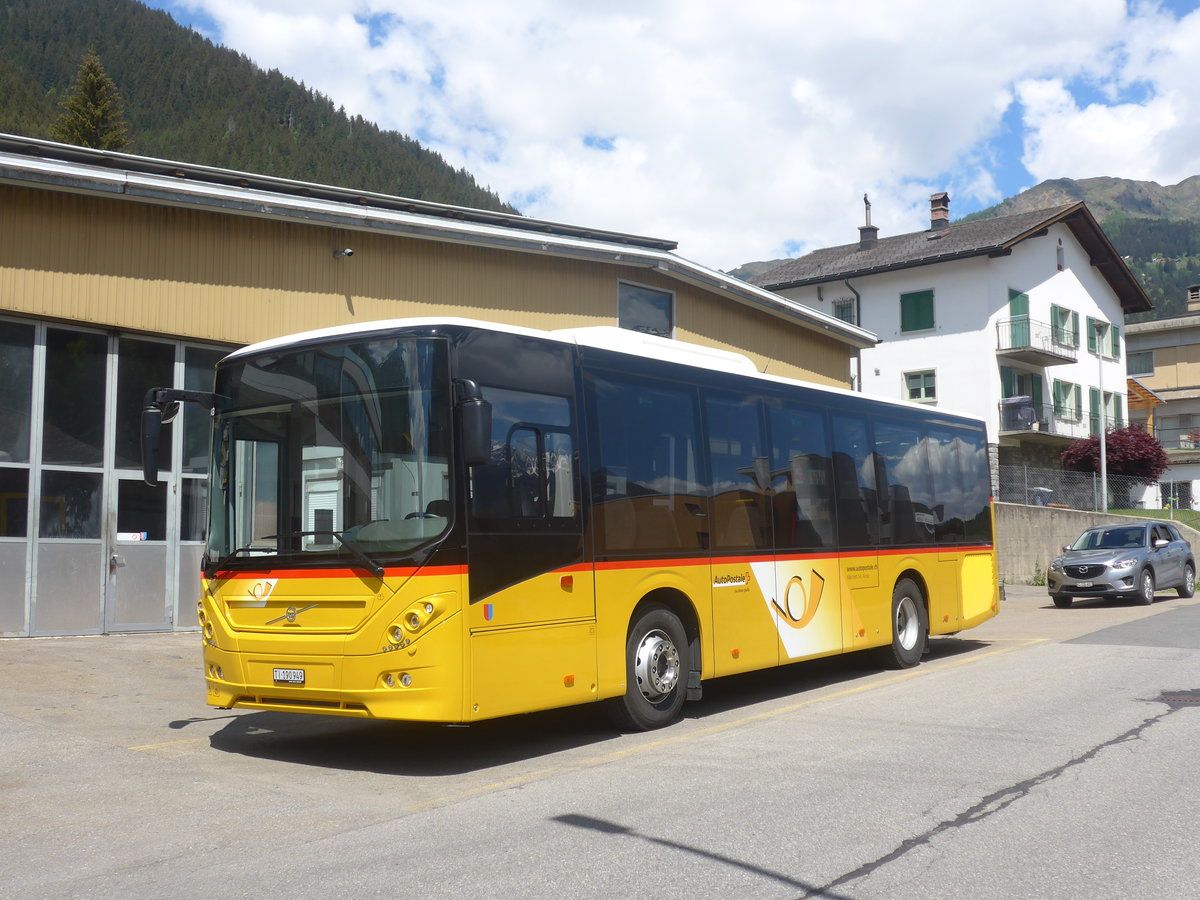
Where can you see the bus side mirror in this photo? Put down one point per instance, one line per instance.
(475, 423)
(151, 435)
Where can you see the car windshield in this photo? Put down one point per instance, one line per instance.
(1116, 538)
(336, 454)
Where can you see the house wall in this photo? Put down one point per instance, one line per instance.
(970, 303)
(237, 279)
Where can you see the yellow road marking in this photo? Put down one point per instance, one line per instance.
(165, 744)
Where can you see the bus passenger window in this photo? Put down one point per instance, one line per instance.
(647, 491)
(908, 513)
(800, 469)
(741, 475)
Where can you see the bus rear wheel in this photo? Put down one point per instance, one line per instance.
(910, 626)
(657, 663)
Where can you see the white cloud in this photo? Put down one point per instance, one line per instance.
(743, 131)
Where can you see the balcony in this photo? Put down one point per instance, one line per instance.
(1021, 418)
(1035, 343)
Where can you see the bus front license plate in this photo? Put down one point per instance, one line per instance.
(289, 676)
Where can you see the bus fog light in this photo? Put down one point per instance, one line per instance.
(389, 680)
(429, 609)
(406, 680)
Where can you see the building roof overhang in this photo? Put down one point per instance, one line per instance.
(49, 165)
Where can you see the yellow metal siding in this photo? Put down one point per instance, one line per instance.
(238, 279)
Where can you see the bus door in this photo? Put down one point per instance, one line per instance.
(856, 508)
(808, 584)
(532, 608)
(744, 580)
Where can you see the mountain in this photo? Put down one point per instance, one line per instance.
(189, 100)
(1156, 229)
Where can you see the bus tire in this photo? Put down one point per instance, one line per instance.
(910, 626)
(657, 664)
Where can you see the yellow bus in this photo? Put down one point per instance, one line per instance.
(448, 521)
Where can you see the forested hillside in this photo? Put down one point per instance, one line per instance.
(189, 100)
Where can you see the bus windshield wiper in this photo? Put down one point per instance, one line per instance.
(210, 569)
(367, 563)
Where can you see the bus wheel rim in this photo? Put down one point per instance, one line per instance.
(656, 665)
(906, 622)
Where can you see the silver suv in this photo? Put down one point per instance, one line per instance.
(1123, 560)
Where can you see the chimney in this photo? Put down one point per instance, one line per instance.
(939, 211)
(868, 235)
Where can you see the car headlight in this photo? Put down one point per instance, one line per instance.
(1056, 565)
(1120, 564)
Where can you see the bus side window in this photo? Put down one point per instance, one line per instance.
(904, 486)
(647, 489)
(801, 503)
(855, 478)
(949, 527)
(741, 476)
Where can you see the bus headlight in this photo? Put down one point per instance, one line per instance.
(413, 621)
(396, 634)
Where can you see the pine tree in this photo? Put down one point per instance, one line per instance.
(92, 113)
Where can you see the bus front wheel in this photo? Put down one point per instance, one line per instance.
(657, 663)
(910, 626)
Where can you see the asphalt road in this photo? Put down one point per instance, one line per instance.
(1047, 754)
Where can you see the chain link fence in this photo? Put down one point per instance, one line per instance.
(1084, 491)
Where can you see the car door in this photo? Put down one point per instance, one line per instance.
(1167, 559)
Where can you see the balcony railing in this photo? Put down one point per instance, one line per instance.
(1020, 415)
(1036, 343)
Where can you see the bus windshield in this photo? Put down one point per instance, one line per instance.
(333, 455)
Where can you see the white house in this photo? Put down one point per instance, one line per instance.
(1015, 319)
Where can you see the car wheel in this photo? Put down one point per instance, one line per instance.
(1062, 602)
(1188, 588)
(1145, 594)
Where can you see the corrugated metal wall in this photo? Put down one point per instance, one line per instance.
(233, 278)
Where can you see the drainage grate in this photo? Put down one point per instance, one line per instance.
(1179, 698)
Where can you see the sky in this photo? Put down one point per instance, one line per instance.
(750, 130)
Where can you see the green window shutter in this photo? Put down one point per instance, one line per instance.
(1115, 341)
(1036, 395)
(1060, 397)
(1008, 382)
(1094, 403)
(1091, 335)
(1074, 329)
(916, 311)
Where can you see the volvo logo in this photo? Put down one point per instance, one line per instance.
(291, 613)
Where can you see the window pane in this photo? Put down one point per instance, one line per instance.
(141, 509)
(75, 397)
(70, 505)
(14, 502)
(949, 504)
(198, 365)
(855, 480)
(141, 365)
(740, 473)
(193, 506)
(800, 464)
(644, 309)
(648, 491)
(16, 388)
(905, 495)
